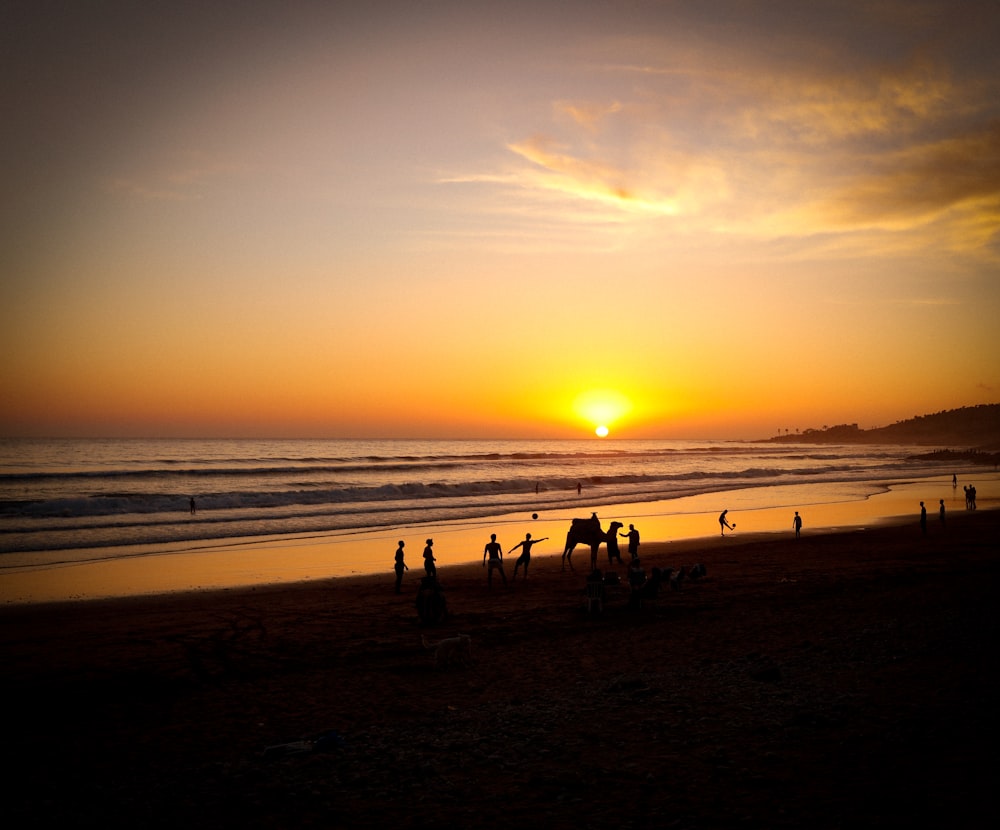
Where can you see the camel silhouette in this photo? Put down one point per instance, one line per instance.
(588, 532)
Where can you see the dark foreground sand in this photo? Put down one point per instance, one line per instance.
(845, 680)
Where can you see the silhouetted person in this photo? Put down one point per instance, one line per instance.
(972, 497)
(431, 605)
(954, 481)
(400, 565)
(525, 557)
(636, 575)
(923, 519)
(191, 504)
(941, 511)
(595, 591)
(797, 524)
(633, 541)
(723, 522)
(613, 551)
(636, 580)
(429, 567)
(495, 553)
(579, 488)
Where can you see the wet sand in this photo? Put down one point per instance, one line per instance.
(844, 679)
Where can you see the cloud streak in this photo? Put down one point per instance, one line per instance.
(181, 183)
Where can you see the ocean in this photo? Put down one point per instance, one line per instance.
(64, 495)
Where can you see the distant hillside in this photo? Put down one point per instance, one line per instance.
(969, 428)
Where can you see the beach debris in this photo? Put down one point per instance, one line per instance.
(323, 742)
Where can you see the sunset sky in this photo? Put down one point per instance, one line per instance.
(496, 220)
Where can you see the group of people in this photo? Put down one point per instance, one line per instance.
(724, 523)
(492, 554)
(970, 497)
(970, 504)
(430, 563)
(923, 516)
(970, 493)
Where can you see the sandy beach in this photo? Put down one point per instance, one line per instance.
(844, 679)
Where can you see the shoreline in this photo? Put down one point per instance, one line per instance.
(244, 562)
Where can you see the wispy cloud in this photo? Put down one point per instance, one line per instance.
(185, 182)
(557, 169)
(589, 115)
(920, 182)
(149, 191)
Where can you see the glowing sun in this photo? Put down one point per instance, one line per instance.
(601, 408)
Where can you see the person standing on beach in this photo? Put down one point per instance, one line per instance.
(633, 541)
(429, 566)
(613, 552)
(797, 524)
(495, 553)
(923, 519)
(191, 505)
(400, 565)
(525, 557)
(941, 511)
(723, 523)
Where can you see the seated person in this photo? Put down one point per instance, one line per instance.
(636, 575)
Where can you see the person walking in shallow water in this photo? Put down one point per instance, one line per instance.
(191, 505)
(429, 567)
(525, 557)
(400, 565)
(495, 552)
(724, 523)
(797, 524)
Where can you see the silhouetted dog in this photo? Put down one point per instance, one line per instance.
(450, 650)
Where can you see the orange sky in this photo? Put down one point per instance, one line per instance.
(497, 220)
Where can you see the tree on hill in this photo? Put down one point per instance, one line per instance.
(969, 427)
